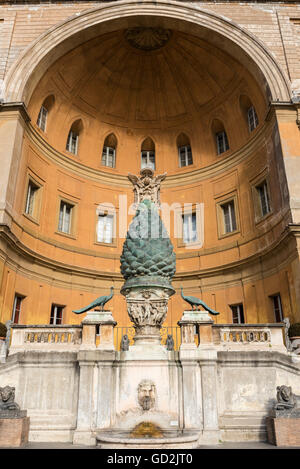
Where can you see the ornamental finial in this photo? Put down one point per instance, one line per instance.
(146, 186)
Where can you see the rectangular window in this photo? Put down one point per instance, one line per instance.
(189, 223)
(105, 226)
(252, 119)
(30, 199)
(262, 190)
(237, 314)
(277, 308)
(148, 159)
(56, 316)
(185, 156)
(108, 157)
(229, 217)
(72, 142)
(222, 142)
(17, 309)
(42, 118)
(65, 217)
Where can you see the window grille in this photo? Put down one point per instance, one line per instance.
(108, 157)
(42, 118)
(105, 229)
(185, 155)
(30, 199)
(17, 309)
(252, 118)
(65, 217)
(189, 228)
(56, 315)
(277, 308)
(72, 142)
(148, 159)
(229, 217)
(262, 190)
(237, 314)
(222, 142)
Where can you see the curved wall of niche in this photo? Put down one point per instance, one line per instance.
(200, 116)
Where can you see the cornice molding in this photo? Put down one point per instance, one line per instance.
(16, 107)
(96, 2)
(180, 255)
(219, 272)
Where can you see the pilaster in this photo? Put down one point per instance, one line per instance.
(13, 117)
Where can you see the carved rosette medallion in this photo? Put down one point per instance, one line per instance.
(147, 39)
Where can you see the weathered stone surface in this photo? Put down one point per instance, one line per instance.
(14, 431)
(283, 431)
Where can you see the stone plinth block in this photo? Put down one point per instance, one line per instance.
(195, 322)
(195, 317)
(106, 323)
(14, 432)
(283, 431)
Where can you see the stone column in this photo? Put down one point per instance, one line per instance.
(83, 434)
(191, 389)
(209, 386)
(106, 390)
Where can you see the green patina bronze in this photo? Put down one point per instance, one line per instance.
(148, 258)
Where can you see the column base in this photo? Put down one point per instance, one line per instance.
(209, 437)
(84, 437)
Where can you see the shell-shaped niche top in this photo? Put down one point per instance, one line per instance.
(147, 38)
(147, 250)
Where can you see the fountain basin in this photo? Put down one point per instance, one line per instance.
(170, 440)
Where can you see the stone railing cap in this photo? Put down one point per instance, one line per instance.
(46, 326)
(250, 326)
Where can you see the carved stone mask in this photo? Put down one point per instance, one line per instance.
(146, 394)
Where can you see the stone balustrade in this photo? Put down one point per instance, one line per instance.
(73, 337)
(249, 336)
(45, 337)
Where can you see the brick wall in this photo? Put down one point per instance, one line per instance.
(276, 25)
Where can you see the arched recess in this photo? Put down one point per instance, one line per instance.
(25, 73)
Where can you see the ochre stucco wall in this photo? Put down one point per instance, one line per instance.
(159, 95)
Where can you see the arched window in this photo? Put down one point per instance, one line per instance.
(220, 136)
(109, 151)
(249, 112)
(44, 111)
(148, 154)
(184, 151)
(73, 137)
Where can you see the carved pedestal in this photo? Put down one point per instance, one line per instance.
(147, 309)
